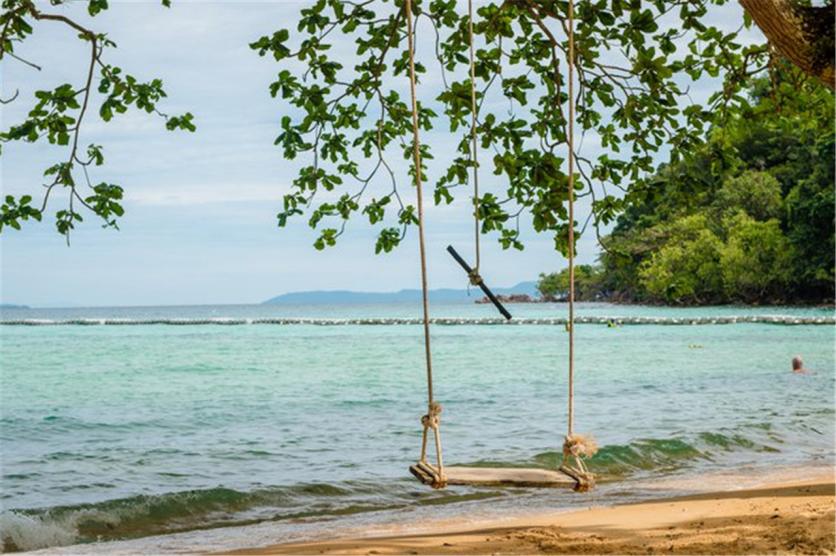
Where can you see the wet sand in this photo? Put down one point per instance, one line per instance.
(786, 518)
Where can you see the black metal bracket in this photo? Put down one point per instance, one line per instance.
(477, 281)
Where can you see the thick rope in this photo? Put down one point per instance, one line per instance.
(474, 278)
(575, 446)
(432, 419)
(416, 150)
(571, 144)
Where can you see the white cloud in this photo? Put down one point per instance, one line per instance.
(193, 194)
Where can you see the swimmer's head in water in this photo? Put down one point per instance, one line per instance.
(797, 363)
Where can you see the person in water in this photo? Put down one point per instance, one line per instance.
(798, 365)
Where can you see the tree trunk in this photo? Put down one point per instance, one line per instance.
(801, 34)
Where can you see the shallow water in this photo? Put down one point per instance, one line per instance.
(113, 432)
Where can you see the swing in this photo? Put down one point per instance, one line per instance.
(572, 472)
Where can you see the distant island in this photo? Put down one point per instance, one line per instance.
(442, 295)
(13, 306)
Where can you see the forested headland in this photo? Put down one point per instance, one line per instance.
(747, 218)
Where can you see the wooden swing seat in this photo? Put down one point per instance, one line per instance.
(492, 476)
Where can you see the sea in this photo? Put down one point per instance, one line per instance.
(191, 437)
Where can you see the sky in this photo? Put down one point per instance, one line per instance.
(200, 222)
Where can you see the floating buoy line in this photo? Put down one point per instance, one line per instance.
(440, 321)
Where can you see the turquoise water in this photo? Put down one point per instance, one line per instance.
(113, 432)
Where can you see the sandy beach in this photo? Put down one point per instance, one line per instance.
(784, 518)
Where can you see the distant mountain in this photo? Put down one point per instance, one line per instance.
(343, 297)
(12, 306)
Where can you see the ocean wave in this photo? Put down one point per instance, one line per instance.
(615, 461)
(175, 512)
(145, 515)
(19, 531)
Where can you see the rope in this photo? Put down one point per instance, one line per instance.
(432, 419)
(571, 144)
(575, 446)
(580, 446)
(416, 150)
(475, 279)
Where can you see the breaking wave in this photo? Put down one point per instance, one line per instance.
(145, 515)
(442, 321)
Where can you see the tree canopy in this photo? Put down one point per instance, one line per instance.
(634, 61)
(748, 217)
(58, 114)
(588, 284)
(348, 121)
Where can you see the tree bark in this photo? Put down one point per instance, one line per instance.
(801, 34)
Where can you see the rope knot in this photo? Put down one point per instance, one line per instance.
(576, 447)
(433, 417)
(475, 279)
(579, 446)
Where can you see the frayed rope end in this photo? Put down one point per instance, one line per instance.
(579, 445)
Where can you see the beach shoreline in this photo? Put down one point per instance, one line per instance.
(787, 517)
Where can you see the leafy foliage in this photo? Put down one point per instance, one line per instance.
(58, 114)
(687, 266)
(589, 284)
(756, 260)
(755, 192)
(749, 217)
(349, 121)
